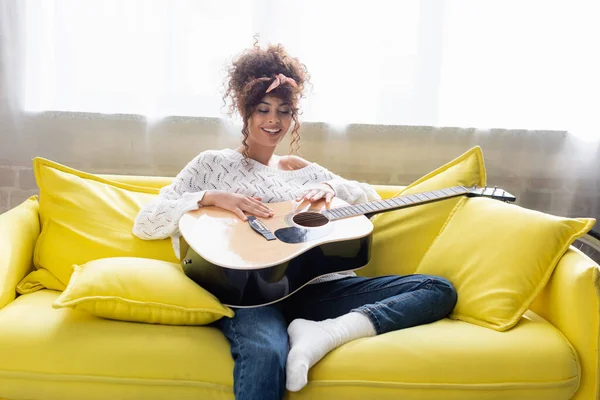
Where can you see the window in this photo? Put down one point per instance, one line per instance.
(493, 64)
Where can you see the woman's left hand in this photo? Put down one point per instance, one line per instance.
(321, 191)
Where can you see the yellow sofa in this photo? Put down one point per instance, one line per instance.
(63, 354)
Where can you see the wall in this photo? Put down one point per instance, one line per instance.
(548, 171)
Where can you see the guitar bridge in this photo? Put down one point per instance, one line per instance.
(260, 228)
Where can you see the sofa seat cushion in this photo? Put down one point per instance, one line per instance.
(453, 360)
(68, 354)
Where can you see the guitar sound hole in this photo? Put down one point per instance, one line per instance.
(310, 219)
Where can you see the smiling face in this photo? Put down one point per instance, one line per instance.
(269, 122)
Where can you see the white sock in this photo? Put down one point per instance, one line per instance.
(310, 341)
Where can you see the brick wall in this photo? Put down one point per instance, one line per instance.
(17, 184)
(547, 171)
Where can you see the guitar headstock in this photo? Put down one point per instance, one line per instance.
(491, 192)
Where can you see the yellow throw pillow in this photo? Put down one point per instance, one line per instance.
(85, 217)
(499, 257)
(140, 290)
(401, 237)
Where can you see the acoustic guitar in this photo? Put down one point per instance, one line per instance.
(262, 261)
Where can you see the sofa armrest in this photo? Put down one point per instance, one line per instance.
(571, 303)
(19, 230)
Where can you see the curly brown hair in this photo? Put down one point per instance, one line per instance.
(250, 75)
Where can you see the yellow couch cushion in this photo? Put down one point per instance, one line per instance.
(154, 182)
(451, 360)
(401, 237)
(70, 355)
(499, 257)
(140, 290)
(85, 217)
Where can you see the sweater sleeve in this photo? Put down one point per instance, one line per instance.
(159, 219)
(353, 192)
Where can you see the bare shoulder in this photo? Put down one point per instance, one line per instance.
(290, 163)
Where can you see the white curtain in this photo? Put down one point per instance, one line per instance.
(531, 64)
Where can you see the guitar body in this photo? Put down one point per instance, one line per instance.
(243, 268)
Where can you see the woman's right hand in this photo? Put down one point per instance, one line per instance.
(236, 203)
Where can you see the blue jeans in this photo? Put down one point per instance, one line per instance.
(258, 336)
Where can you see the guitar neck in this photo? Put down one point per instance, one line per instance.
(379, 206)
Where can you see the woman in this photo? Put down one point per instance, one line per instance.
(264, 86)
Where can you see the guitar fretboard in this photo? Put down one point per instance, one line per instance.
(408, 200)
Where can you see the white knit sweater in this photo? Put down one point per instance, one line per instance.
(225, 170)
